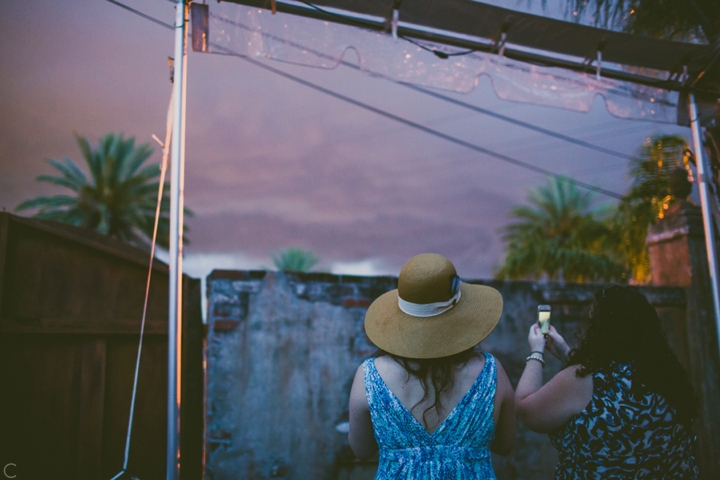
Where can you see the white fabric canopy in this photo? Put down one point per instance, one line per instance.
(315, 43)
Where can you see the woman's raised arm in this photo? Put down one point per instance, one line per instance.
(547, 408)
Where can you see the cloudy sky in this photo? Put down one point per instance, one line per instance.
(273, 164)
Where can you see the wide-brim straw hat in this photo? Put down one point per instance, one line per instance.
(432, 314)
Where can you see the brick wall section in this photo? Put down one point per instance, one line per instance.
(283, 349)
(678, 256)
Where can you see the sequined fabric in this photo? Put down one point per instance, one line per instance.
(458, 450)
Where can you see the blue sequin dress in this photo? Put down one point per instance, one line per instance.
(460, 447)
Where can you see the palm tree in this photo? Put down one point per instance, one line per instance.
(294, 260)
(559, 235)
(649, 196)
(688, 20)
(118, 199)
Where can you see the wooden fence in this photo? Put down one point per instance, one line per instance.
(70, 310)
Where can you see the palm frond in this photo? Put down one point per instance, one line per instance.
(558, 234)
(69, 170)
(669, 19)
(54, 201)
(294, 260)
(59, 181)
(136, 159)
(119, 196)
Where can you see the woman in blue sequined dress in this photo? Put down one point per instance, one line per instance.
(429, 402)
(624, 406)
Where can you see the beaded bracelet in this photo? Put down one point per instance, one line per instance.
(534, 356)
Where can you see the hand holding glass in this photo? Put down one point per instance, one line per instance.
(544, 319)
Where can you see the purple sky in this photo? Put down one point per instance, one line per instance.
(273, 164)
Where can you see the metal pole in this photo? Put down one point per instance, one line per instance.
(177, 181)
(705, 204)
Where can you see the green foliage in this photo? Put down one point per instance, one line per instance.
(118, 198)
(561, 236)
(647, 199)
(688, 20)
(294, 260)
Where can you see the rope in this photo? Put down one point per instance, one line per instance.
(163, 171)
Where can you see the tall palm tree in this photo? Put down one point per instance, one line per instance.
(648, 198)
(117, 199)
(559, 235)
(294, 260)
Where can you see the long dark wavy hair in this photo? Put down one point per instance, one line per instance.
(438, 373)
(623, 327)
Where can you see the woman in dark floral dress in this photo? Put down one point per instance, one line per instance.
(624, 406)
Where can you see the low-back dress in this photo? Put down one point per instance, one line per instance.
(460, 447)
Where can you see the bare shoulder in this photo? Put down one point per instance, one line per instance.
(360, 372)
(568, 378)
(477, 361)
(502, 377)
(391, 372)
(571, 371)
(387, 367)
(504, 389)
(474, 365)
(357, 392)
(384, 361)
(500, 369)
(574, 391)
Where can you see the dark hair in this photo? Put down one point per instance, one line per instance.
(623, 327)
(438, 372)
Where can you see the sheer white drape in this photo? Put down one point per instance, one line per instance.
(315, 43)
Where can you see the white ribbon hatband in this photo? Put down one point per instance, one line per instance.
(428, 309)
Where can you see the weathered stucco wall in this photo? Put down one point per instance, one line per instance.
(283, 349)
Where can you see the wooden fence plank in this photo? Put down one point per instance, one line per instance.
(129, 326)
(4, 222)
(92, 399)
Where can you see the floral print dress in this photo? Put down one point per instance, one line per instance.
(624, 433)
(458, 450)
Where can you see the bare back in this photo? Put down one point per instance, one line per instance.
(409, 391)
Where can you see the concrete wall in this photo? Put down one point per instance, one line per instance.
(283, 349)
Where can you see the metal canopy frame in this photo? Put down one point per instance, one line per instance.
(525, 37)
(701, 63)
